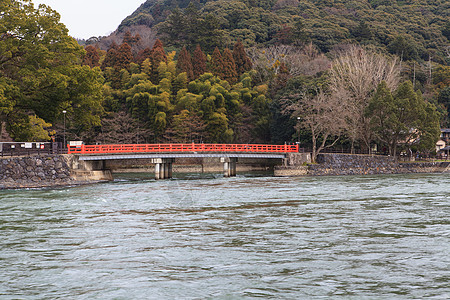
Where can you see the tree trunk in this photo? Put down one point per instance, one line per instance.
(314, 149)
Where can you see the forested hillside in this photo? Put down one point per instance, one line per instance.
(348, 74)
(412, 29)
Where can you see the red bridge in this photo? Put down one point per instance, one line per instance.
(170, 148)
(164, 155)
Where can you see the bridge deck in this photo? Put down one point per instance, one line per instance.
(181, 148)
(182, 155)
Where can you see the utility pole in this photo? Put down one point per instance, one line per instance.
(64, 139)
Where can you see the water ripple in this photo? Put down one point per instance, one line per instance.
(370, 237)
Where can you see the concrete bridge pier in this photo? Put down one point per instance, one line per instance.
(163, 168)
(229, 166)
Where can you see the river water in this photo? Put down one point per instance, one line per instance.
(354, 237)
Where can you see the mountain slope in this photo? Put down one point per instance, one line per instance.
(412, 29)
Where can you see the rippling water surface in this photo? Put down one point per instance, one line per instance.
(245, 237)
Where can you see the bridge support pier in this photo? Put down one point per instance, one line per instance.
(229, 166)
(163, 168)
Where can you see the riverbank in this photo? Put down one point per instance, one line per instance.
(44, 171)
(64, 170)
(351, 164)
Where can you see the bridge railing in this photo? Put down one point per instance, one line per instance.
(164, 148)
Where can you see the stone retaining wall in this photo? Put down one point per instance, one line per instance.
(348, 164)
(35, 171)
(62, 170)
(424, 167)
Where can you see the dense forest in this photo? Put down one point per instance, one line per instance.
(325, 73)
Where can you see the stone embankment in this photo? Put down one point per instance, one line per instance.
(42, 171)
(348, 164)
(65, 170)
(34, 171)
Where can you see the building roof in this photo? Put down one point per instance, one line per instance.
(445, 149)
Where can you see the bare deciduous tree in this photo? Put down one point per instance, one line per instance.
(121, 128)
(4, 136)
(321, 114)
(354, 77)
(306, 60)
(147, 38)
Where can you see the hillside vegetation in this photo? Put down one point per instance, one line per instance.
(412, 29)
(357, 75)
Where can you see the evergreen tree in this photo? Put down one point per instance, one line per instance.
(216, 64)
(184, 64)
(91, 58)
(284, 35)
(446, 30)
(362, 32)
(299, 34)
(403, 118)
(404, 47)
(229, 67)
(40, 72)
(143, 55)
(111, 55)
(198, 62)
(157, 56)
(174, 28)
(131, 40)
(243, 62)
(123, 57)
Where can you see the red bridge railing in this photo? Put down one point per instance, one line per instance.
(164, 148)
